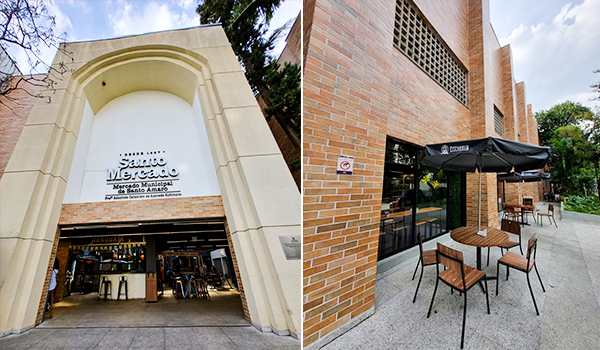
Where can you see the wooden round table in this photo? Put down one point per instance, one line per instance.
(468, 235)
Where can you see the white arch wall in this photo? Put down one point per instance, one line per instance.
(261, 200)
(142, 122)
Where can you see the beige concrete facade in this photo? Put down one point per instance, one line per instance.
(259, 205)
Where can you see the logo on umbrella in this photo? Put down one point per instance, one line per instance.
(444, 149)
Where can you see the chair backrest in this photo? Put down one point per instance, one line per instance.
(452, 259)
(511, 226)
(550, 208)
(531, 246)
(420, 243)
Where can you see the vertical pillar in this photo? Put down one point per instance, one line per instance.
(150, 254)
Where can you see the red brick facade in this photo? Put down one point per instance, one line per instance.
(146, 210)
(358, 89)
(14, 111)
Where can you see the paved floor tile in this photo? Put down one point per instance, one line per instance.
(568, 260)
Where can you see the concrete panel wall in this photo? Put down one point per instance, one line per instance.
(254, 200)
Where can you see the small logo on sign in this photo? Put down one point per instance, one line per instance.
(444, 149)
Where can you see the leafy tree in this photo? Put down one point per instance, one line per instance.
(564, 114)
(596, 88)
(27, 26)
(246, 24)
(571, 160)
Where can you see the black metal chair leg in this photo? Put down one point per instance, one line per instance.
(532, 297)
(462, 337)
(497, 276)
(554, 222)
(488, 260)
(418, 284)
(437, 280)
(538, 274)
(487, 298)
(416, 268)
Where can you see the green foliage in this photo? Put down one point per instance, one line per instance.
(246, 24)
(455, 200)
(285, 91)
(571, 131)
(581, 204)
(564, 114)
(568, 161)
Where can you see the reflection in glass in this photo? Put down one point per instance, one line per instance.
(412, 199)
(431, 203)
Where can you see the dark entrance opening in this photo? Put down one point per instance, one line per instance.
(175, 273)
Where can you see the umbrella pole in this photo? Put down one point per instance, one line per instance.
(479, 224)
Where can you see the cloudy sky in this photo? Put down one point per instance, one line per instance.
(89, 20)
(555, 47)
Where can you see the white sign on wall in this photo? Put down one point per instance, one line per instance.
(143, 145)
(345, 165)
(142, 175)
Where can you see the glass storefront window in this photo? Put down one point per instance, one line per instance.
(431, 203)
(413, 200)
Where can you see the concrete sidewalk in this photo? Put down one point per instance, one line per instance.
(171, 338)
(568, 260)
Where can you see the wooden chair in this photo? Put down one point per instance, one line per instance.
(511, 213)
(458, 276)
(426, 258)
(528, 210)
(521, 263)
(511, 227)
(549, 214)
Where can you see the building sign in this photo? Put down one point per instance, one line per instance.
(291, 247)
(345, 165)
(142, 175)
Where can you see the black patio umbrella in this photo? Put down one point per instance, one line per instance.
(487, 155)
(524, 176)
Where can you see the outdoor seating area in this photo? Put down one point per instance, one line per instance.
(568, 299)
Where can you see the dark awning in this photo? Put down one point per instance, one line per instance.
(489, 155)
(525, 176)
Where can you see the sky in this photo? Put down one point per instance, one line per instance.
(555, 47)
(91, 20)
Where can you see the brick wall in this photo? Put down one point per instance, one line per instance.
(38, 319)
(144, 210)
(237, 273)
(292, 51)
(357, 90)
(14, 111)
(308, 10)
(62, 254)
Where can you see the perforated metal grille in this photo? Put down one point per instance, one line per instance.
(417, 40)
(498, 121)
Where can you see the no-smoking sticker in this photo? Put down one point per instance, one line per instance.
(345, 165)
